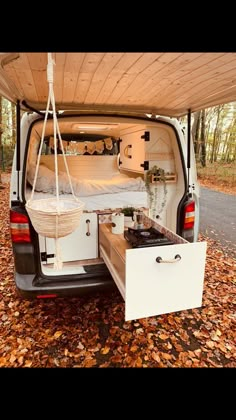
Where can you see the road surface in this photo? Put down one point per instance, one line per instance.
(218, 218)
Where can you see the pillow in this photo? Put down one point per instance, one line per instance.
(45, 180)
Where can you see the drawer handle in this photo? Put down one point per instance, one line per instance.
(88, 226)
(176, 259)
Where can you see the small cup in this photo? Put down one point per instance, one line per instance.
(117, 224)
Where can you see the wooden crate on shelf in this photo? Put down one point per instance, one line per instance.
(169, 178)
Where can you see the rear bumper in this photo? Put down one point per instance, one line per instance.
(25, 284)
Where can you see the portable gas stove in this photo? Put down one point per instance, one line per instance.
(139, 238)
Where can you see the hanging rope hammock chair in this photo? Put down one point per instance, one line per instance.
(54, 217)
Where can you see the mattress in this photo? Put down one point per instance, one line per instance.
(104, 201)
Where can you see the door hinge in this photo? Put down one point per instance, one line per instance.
(145, 165)
(146, 136)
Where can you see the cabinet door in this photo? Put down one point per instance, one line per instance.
(132, 151)
(78, 245)
(153, 288)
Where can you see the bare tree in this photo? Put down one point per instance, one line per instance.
(203, 139)
(216, 134)
(13, 116)
(195, 132)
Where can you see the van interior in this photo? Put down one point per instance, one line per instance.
(104, 177)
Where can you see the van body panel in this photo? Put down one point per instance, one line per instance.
(109, 142)
(83, 260)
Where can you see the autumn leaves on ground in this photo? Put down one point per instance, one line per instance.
(91, 331)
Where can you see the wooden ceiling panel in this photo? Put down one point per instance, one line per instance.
(71, 73)
(89, 66)
(198, 90)
(165, 83)
(115, 76)
(143, 65)
(105, 67)
(166, 64)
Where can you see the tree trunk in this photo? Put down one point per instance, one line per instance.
(215, 135)
(195, 132)
(0, 138)
(203, 139)
(13, 116)
(234, 154)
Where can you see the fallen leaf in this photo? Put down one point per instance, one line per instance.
(57, 334)
(214, 336)
(166, 356)
(80, 346)
(105, 350)
(138, 362)
(156, 357)
(20, 360)
(28, 363)
(12, 358)
(210, 344)
(163, 336)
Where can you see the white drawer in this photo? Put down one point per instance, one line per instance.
(78, 245)
(153, 288)
(150, 288)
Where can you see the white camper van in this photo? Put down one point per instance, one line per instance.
(120, 154)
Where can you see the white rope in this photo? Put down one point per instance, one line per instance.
(56, 130)
(40, 150)
(58, 263)
(65, 162)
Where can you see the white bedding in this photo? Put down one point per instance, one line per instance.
(104, 201)
(82, 188)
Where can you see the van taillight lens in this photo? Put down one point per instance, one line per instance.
(20, 232)
(189, 215)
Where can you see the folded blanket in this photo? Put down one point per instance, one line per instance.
(118, 183)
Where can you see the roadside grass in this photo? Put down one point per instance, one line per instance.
(218, 173)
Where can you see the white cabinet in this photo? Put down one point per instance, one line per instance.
(132, 151)
(142, 149)
(80, 244)
(150, 287)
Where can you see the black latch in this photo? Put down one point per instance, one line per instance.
(145, 165)
(45, 256)
(146, 136)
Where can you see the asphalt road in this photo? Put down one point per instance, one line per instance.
(218, 218)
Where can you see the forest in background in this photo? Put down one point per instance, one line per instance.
(213, 131)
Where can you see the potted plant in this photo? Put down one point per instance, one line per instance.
(155, 177)
(128, 215)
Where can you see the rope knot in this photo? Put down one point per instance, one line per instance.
(50, 65)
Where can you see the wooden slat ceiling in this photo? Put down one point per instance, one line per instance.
(158, 83)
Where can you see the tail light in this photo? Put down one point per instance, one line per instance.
(189, 215)
(20, 231)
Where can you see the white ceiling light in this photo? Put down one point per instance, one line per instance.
(93, 127)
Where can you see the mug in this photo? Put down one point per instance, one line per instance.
(117, 224)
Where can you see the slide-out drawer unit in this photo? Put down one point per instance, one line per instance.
(157, 279)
